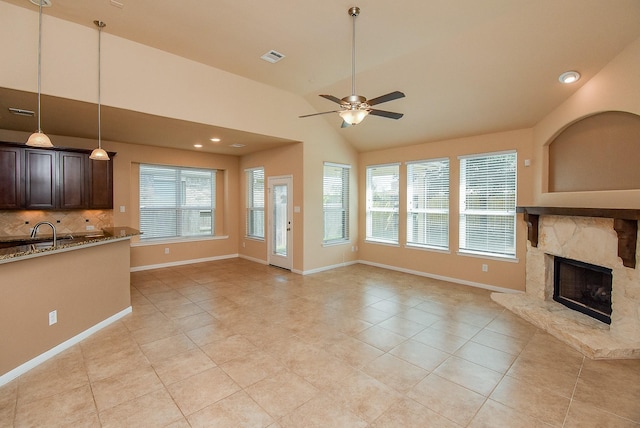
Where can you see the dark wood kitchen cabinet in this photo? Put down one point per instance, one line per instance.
(11, 178)
(47, 179)
(101, 183)
(72, 178)
(40, 179)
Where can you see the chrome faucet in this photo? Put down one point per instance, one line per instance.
(35, 230)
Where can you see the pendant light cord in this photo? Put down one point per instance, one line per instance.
(39, 61)
(99, 82)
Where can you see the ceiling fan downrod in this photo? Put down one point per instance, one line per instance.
(353, 12)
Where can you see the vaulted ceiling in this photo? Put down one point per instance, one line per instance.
(467, 67)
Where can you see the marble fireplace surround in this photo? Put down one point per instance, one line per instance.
(601, 237)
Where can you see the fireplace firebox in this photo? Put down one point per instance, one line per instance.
(583, 287)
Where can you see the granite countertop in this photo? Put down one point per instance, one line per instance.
(26, 247)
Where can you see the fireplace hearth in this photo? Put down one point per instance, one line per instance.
(583, 287)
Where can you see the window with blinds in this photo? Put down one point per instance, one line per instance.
(255, 203)
(335, 202)
(176, 202)
(488, 204)
(428, 204)
(382, 203)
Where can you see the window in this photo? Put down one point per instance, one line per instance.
(176, 202)
(488, 204)
(382, 203)
(428, 203)
(255, 203)
(335, 202)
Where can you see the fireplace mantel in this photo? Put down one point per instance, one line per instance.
(625, 223)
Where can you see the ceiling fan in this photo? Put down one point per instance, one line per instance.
(354, 108)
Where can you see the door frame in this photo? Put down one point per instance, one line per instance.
(272, 258)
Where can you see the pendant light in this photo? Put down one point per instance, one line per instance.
(99, 153)
(38, 138)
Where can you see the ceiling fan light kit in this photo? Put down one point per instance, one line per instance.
(354, 108)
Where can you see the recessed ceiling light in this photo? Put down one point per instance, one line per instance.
(569, 77)
(197, 146)
(238, 145)
(215, 140)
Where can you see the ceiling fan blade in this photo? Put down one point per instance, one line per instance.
(387, 114)
(386, 98)
(317, 114)
(332, 98)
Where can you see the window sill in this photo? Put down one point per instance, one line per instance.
(180, 240)
(254, 238)
(388, 243)
(508, 259)
(425, 248)
(335, 243)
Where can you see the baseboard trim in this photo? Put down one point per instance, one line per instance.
(326, 268)
(183, 262)
(253, 259)
(34, 362)
(442, 278)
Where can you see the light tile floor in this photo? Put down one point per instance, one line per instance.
(234, 343)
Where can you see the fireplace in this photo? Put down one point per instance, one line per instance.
(583, 287)
(605, 242)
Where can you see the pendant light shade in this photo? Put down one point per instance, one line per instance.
(38, 138)
(99, 153)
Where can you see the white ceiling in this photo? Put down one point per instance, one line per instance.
(467, 67)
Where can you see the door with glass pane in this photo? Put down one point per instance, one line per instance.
(280, 219)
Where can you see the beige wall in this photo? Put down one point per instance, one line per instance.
(615, 88)
(85, 286)
(463, 268)
(284, 161)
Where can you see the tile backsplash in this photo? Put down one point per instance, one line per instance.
(19, 223)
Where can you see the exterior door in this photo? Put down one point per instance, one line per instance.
(280, 222)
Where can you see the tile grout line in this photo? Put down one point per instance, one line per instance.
(573, 393)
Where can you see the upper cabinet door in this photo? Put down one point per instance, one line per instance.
(11, 182)
(100, 183)
(40, 179)
(71, 180)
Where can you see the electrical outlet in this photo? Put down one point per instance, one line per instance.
(122, 208)
(485, 268)
(90, 227)
(166, 250)
(53, 317)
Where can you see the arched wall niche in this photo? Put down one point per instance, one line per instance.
(596, 153)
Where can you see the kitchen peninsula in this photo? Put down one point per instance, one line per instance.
(53, 297)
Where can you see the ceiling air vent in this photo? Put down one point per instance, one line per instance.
(22, 112)
(272, 56)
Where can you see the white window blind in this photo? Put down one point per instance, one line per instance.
(428, 203)
(382, 203)
(488, 204)
(176, 202)
(255, 202)
(335, 202)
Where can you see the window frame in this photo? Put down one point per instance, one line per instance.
(343, 209)
(427, 195)
(371, 209)
(178, 206)
(251, 206)
(489, 215)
